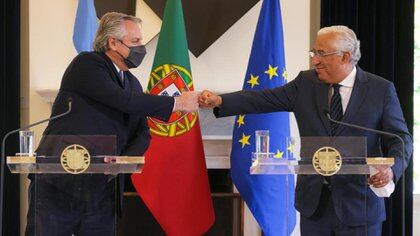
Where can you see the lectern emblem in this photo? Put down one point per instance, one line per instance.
(75, 159)
(327, 161)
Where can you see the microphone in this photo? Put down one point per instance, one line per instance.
(3, 146)
(327, 113)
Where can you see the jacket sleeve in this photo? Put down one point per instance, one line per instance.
(138, 144)
(89, 76)
(271, 100)
(393, 122)
(139, 140)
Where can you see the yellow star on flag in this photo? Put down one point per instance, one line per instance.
(278, 154)
(240, 120)
(245, 140)
(272, 71)
(253, 81)
(284, 74)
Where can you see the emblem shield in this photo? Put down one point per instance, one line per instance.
(171, 80)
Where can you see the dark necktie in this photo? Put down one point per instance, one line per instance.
(336, 109)
(121, 73)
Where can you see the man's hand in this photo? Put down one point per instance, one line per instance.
(382, 178)
(208, 99)
(187, 102)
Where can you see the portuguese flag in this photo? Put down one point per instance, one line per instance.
(174, 183)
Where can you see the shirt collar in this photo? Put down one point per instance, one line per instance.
(116, 67)
(349, 80)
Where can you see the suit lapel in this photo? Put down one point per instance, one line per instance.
(117, 79)
(322, 104)
(129, 81)
(357, 97)
(115, 75)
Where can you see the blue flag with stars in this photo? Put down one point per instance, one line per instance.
(85, 26)
(267, 196)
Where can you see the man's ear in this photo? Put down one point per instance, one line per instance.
(113, 43)
(346, 57)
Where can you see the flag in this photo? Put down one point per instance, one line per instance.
(174, 183)
(267, 196)
(85, 26)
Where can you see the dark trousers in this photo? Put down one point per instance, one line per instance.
(53, 212)
(325, 222)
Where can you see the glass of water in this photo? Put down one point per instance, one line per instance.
(26, 143)
(262, 139)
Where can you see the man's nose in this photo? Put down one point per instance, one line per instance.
(315, 60)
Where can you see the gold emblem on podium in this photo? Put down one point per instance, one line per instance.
(327, 161)
(75, 159)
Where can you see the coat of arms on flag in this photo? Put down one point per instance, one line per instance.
(171, 80)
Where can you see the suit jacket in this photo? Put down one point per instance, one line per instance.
(102, 105)
(373, 103)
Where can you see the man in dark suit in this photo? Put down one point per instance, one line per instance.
(107, 100)
(342, 204)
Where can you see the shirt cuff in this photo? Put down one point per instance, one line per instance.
(174, 105)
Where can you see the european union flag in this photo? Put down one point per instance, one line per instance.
(267, 196)
(85, 26)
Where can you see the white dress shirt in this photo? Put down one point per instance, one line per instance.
(346, 88)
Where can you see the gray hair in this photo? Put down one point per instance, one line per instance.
(111, 25)
(346, 40)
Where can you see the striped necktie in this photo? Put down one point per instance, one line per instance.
(336, 108)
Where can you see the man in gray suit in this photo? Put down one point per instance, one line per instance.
(334, 206)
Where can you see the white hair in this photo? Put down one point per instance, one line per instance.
(346, 40)
(111, 25)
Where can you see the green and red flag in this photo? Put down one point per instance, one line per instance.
(174, 183)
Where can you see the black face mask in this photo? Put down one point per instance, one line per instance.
(135, 57)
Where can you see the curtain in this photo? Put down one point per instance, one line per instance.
(10, 107)
(386, 32)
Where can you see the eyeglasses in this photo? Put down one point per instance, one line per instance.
(314, 53)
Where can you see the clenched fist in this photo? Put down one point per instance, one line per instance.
(187, 102)
(208, 99)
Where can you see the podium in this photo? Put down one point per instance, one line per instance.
(73, 180)
(299, 157)
(340, 164)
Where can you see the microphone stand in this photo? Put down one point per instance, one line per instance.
(383, 133)
(2, 160)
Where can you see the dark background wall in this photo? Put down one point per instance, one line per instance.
(10, 106)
